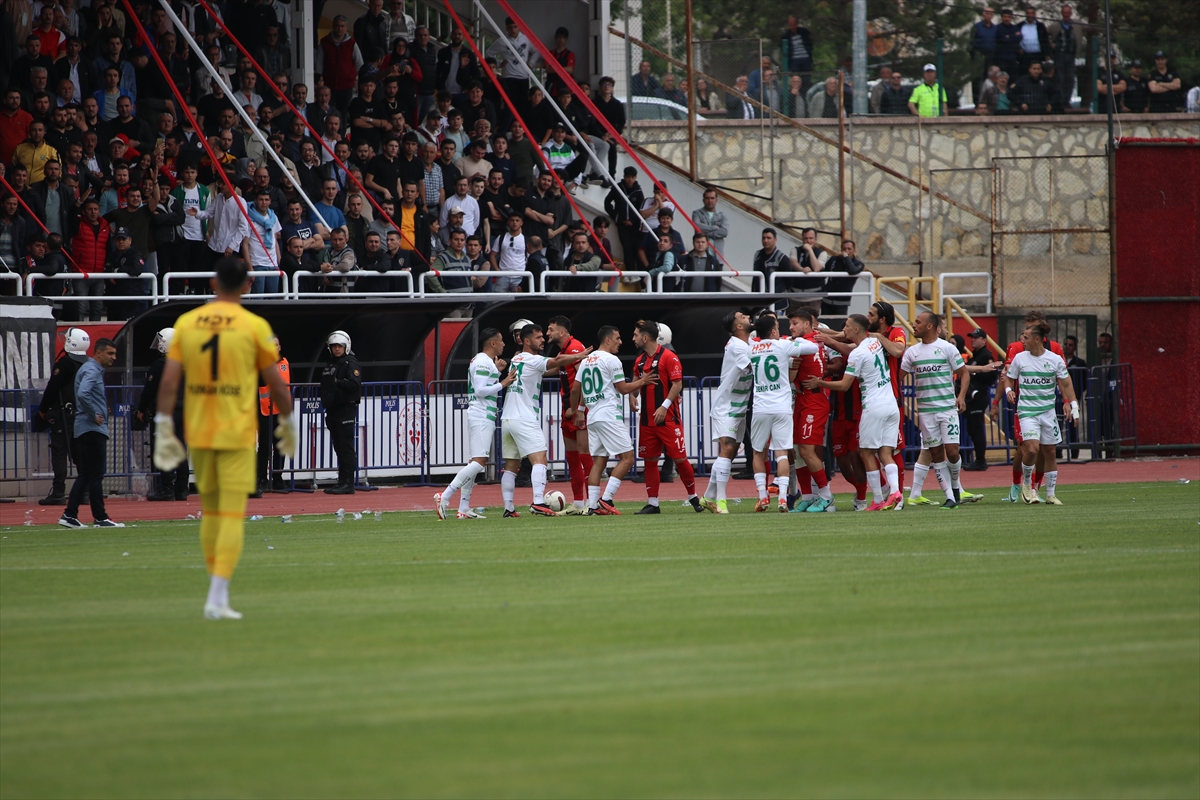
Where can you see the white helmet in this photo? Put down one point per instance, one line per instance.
(516, 327)
(664, 334)
(76, 341)
(339, 337)
(162, 340)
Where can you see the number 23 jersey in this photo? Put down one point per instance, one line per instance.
(222, 348)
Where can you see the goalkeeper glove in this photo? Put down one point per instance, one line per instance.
(168, 450)
(287, 435)
(1075, 410)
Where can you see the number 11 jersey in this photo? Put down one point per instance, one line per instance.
(222, 348)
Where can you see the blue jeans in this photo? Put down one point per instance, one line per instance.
(265, 284)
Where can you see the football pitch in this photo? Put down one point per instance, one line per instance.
(990, 651)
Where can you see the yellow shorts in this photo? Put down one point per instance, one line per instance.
(231, 470)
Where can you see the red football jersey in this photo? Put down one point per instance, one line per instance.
(810, 366)
(669, 370)
(566, 377)
(895, 334)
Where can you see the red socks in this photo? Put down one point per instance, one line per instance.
(819, 477)
(860, 491)
(898, 457)
(579, 473)
(1018, 476)
(653, 477)
(1037, 479)
(687, 475)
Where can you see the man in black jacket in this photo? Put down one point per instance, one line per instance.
(341, 390)
(978, 398)
(38, 197)
(846, 261)
(1031, 94)
(57, 410)
(612, 110)
(456, 65)
(628, 223)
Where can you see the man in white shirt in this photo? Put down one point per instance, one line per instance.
(462, 199)
(508, 254)
(514, 74)
(228, 229)
(263, 243)
(246, 96)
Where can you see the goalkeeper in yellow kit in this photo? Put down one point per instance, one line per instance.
(218, 351)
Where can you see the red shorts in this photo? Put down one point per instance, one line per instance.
(900, 435)
(844, 437)
(652, 440)
(569, 428)
(808, 423)
(1016, 430)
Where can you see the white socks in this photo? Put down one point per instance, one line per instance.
(538, 476)
(465, 477)
(893, 478)
(218, 592)
(1051, 480)
(943, 475)
(955, 466)
(610, 491)
(782, 482)
(760, 483)
(508, 489)
(918, 481)
(873, 482)
(719, 480)
(652, 501)
(593, 496)
(1027, 474)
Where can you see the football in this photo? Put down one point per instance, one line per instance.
(556, 500)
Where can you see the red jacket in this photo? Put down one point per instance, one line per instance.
(339, 73)
(90, 248)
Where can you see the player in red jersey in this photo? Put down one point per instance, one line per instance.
(1014, 492)
(809, 417)
(845, 410)
(659, 422)
(574, 423)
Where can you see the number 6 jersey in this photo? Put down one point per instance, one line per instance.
(222, 348)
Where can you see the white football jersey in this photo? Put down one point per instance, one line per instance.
(1037, 381)
(932, 367)
(732, 396)
(769, 362)
(868, 363)
(483, 389)
(598, 377)
(523, 399)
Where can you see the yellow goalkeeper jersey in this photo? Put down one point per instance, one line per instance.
(222, 348)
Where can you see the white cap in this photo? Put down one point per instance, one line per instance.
(929, 67)
(457, 210)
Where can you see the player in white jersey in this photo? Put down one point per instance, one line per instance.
(521, 423)
(483, 396)
(1035, 373)
(600, 388)
(879, 425)
(935, 365)
(771, 423)
(730, 402)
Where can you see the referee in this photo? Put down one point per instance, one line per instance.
(341, 390)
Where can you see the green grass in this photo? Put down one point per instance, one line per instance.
(992, 651)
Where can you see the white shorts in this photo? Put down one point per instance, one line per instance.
(878, 429)
(1043, 428)
(773, 428)
(727, 427)
(519, 438)
(480, 436)
(608, 439)
(938, 429)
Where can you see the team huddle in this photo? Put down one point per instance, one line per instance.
(785, 389)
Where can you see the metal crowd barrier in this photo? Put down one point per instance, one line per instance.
(282, 294)
(757, 279)
(527, 279)
(959, 297)
(598, 275)
(790, 277)
(402, 274)
(15, 278)
(146, 277)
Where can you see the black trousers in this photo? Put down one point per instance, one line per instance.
(176, 481)
(977, 407)
(270, 460)
(92, 448)
(631, 238)
(62, 455)
(340, 420)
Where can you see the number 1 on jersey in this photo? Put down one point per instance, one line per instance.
(213, 345)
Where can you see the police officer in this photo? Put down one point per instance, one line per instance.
(172, 485)
(125, 263)
(57, 412)
(341, 389)
(981, 365)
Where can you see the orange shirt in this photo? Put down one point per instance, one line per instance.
(264, 393)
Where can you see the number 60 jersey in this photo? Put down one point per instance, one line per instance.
(222, 348)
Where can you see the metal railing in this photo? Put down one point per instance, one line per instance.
(598, 275)
(15, 278)
(959, 297)
(757, 279)
(790, 277)
(527, 278)
(282, 294)
(151, 298)
(404, 275)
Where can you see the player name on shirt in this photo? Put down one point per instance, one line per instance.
(769, 359)
(598, 378)
(868, 363)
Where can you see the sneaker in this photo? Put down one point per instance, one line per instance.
(649, 509)
(541, 510)
(818, 506)
(949, 504)
(468, 514)
(772, 489)
(695, 501)
(722, 507)
(710, 505)
(107, 523)
(592, 512)
(220, 612)
(508, 513)
(1014, 495)
(875, 506)
(70, 522)
(1053, 500)
(893, 501)
(1029, 495)
(438, 508)
(53, 500)
(607, 507)
(899, 503)
(968, 497)
(762, 505)
(859, 505)
(802, 506)
(782, 505)
(920, 500)
(572, 510)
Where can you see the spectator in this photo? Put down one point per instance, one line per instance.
(540, 117)
(629, 223)
(328, 210)
(662, 263)
(246, 94)
(797, 47)
(756, 78)
(565, 59)
(137, 131)
(649, 244)
(1136, 98)
(995, 99)
(894, 100)
(453, 259)
(474, 163)
(462, 199)
(847, 261)
(477, 106)
(669, 91)
(509, 255)
(371, 30)
(33, 153)
(1118, 83)
(356, 223)
(263, 244)
(400, 25)
(983, 39)
(563, 158)
(52, 40)
(22, 68)
(13, 233)
(700, 259)
(514, 72)
(77, 70)
(613, 111)
(375, 258)
(340, 260)
(51, 202)
(1034, 43)
(455, 132)
(275, 55)
(1193, 100)
(1066, 43)
(1008, 43)
(523, 153)
(112, 57)
(643, 83)
(1031, 94)
(108, 97)
(810, 257)
(770, 259)
(703, 96)
(14, 125)
(456, 65)
(929, 98)
(825, 103)
(338, 61)
(1165, 87)
(1052, 88)
(712, 222)
(885, 77)
(39, 262)
(432, 178)
(424, 54)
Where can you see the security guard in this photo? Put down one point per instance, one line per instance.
(270, 461)
(979, 396)
(56, 412)
(172, 485)
(341, 389)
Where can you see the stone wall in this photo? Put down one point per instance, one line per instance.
(1048, 172)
